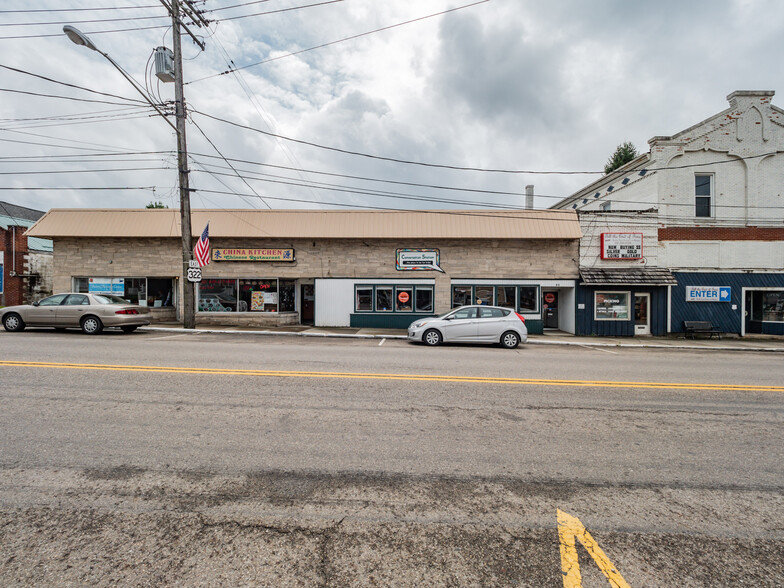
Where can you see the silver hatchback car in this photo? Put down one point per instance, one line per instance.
(90, 312)
(472, 324)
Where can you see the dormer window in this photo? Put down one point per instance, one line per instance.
(703, 195)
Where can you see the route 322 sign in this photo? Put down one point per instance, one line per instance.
(194, 271)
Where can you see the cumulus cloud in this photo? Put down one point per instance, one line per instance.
(504, 84)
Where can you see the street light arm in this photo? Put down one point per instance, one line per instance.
(80, 38)
(138, 89)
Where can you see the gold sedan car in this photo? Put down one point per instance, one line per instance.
(89, 312)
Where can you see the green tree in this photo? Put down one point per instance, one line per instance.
(156, 204)
(624, 153)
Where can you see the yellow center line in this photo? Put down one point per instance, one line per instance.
(406, 377)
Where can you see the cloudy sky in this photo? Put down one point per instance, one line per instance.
(511, 85)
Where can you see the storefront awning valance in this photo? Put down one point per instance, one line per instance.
(648, 276)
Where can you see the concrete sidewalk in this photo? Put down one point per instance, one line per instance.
(727, 343)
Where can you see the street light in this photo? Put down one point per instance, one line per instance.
(80, 38)
(188, 310)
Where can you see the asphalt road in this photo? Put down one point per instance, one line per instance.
(156, 459)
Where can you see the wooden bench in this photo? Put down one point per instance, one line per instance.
(700, 328)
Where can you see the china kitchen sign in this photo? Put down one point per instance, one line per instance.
(253, 255)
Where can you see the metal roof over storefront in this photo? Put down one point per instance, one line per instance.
(649, 276)
(312, 224)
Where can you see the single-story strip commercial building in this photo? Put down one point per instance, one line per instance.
(325, 267)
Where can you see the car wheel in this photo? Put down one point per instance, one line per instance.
(510, 340)
(432, 337)
(13, 322)
(92, 325)
(129, 328)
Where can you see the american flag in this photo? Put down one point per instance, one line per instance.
(202, 250)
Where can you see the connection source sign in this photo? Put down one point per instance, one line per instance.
(418, 260)
(708, 293)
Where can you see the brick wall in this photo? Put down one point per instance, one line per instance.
(721, 234)
(15, 260)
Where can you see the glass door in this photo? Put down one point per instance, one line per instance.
(642, 315)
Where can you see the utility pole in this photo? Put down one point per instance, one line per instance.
(188, 291)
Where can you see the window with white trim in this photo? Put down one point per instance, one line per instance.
(611, 306)
(703, 195)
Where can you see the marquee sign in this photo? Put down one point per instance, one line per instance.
(621, 245)
(253, 255)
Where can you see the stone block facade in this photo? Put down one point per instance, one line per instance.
(369, 259)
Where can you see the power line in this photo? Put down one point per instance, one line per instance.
(28, 73)
(92, 120)
(72, 22)
(727, 222)
(391, 159)
(81, 171)
(66, 155)
(400, 24)
(8, 38)
(65, 97)
(369, 179)
(239, 76)
(227, 161)
(80, 188)
(74, 116)
(30, 10)
(279, 10)
(235, 6)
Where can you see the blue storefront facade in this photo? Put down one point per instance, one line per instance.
(754, 304)
(637, 305)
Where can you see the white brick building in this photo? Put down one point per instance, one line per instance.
(717, 192)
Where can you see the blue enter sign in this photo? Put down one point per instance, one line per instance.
(708, 294)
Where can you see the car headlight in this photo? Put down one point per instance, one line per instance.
(418, 324)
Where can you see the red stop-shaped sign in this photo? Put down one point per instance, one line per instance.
(549, 298)
(403, 297)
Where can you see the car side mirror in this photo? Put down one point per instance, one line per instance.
(35, 303)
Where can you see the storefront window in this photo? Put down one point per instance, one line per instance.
(484, 295)
(136, 290)
(529, 297)
(81, 284)
(217, 295)
(505, 296)
(404, 299)
(461, 296)
(384, 299)
(424, 299)
(154, 292)
(612, 306)
(287, 288)
(364, 299)
(773, 306)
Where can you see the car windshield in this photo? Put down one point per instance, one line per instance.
(109, 299)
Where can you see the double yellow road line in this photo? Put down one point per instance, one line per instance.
(398, 377)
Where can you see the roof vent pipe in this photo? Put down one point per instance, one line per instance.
(529, 197)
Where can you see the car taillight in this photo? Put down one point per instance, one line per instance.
(520, 316)
(127, 311)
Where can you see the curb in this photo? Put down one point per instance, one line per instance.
(403, 338)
